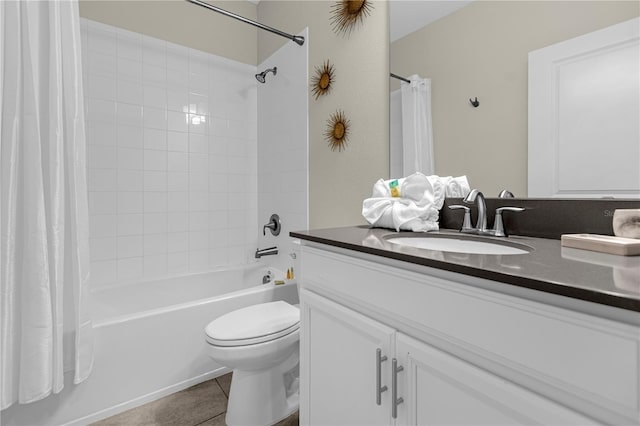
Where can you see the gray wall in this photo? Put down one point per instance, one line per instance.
(183, 23)
(339, 181)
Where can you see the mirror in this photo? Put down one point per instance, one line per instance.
(480, 50)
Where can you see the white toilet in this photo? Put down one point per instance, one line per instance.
(261, 344)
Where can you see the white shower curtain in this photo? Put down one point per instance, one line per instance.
(417, 131)
(43, 206)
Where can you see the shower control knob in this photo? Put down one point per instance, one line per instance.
(274, 225)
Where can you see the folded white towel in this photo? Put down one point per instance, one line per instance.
(418, 206)
(455, 187)
(416, 209)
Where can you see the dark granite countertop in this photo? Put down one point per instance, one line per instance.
(580, 274)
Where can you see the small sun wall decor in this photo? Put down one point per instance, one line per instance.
(322, 80)
(346, 14)
(337, 132)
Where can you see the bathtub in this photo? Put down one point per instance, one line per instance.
(149, 342)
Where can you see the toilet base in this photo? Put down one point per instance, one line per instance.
(264, 397)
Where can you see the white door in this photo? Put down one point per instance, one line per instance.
(338, 365)
(584, 115)
(441, 389)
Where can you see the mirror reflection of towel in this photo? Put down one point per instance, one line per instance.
(417, 208)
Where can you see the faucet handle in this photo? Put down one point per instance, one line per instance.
(505, 193)
(274, 225)
(498, 226)
(466, 222)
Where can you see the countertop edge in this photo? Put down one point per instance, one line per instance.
(560, 289)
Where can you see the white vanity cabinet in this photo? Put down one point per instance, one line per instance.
(465, 354)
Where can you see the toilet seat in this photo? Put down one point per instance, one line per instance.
(254, 324)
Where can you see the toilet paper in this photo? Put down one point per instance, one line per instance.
(626, 223)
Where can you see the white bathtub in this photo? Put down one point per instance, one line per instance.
(149, 342)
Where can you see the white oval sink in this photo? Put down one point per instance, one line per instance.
(459, 245)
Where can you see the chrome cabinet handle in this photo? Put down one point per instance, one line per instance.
(395, 401)
(379, 389)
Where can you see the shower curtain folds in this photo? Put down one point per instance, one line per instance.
(44, 326)
(417, 128)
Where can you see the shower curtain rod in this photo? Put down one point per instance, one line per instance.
(297, 39)
(399, 78)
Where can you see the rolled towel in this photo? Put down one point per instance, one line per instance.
(455, 187)
(415, 209)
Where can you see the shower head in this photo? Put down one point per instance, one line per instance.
(261, 76)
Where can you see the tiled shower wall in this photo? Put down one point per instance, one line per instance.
(172, 157)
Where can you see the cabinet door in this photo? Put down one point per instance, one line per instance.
(441, 389)
(338, 365)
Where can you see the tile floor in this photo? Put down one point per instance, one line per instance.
(204, 404)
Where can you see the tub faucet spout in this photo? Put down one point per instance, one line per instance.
(266, 252)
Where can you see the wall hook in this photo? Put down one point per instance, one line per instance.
(475, 102)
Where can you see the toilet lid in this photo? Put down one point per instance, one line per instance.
(253, 324)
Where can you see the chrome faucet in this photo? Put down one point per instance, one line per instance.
(271, 251)
(505, 193)
(477, 197)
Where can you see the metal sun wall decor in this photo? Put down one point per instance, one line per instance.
(346, 14)
(337, 132)
(321, 81)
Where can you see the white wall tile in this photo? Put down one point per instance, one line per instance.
(177, 121)
(102, 202)
(130, 136)
(101, 111)
(198, 260)
(178, 162)
(155, 180)
(155, 244)
(101, 87)
(102, 226)
(130, 224)
(159, 202)
(177, 263)
(102, 179)
(155, 266)
(155, 223)
(178, 201)
(154, 96)
(155, 202)
(177, 141)
(155, 118)
(101, 157)
(130, 202)
(155, 139)
(130, 159)
(177, 100)
(155, 160)
(129, 92)
(129, 69)
(102, 272)
(130, 180)
(129, 114)
(177, 181)
(101, 134)
(130, 246)
(130, 268)
(177, 221)
(153, 74)
(198, 201)
(102, 248)
(198, 143)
